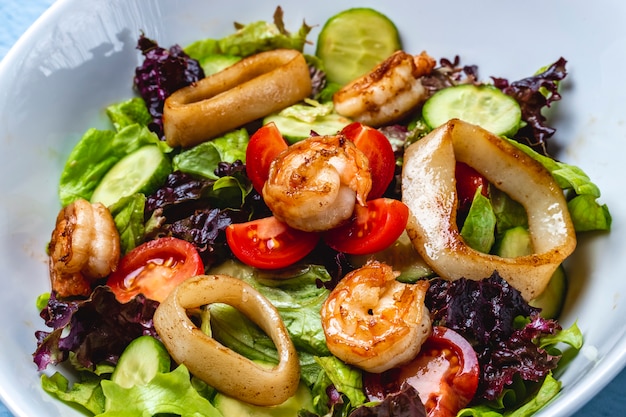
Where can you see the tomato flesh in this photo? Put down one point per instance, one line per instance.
(445, 373)
(264, 146)
(268, 243)
(154, 269)
(468, 181)
(379, 153)
(371, 229)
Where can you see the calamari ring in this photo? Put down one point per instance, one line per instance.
(214, 363)
(252, 88)
(429, 190)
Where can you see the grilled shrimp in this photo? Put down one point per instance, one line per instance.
(85, 246)
(388, 93)
(314, 184)
(373, 321)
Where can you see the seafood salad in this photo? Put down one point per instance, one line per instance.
(359, 231)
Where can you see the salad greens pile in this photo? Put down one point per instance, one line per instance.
(205, 189)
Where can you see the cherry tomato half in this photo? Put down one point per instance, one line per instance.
(268, 243)
(154, 269)
(379, 152)
(445, 374)
(468, 180)
(264, 145)
(371, 229)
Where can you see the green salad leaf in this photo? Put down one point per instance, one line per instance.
(251, 38)
(98, 150)
(128, 215)
(85, 392)
(478, 230)
(169, 392)
(586, 212)
(204, 158)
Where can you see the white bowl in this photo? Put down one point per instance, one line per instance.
(81, 55)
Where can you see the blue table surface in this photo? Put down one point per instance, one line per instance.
(17, 15)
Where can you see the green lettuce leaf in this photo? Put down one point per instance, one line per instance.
(478, 230)
(588, 215)
(546, 392)
(86, 392)
(204, 158)
(346, 379)
(298, 300)
(128, 214)
(252, 38)
(169, 392)
(95, 154)
(129, 112)
(586, 212)
(509, 213)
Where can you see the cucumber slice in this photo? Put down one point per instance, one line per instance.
(354, 41)
(483, 105)
(142, 359)
(552, 299)
(294, 130)
(141, 171)
(516, 242)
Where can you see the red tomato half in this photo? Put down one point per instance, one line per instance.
(445, 373)
(264, 146)
(371, 229)
(268, 243)
(379, 152)
(468, 180)
(154, 269)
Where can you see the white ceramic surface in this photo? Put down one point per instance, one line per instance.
(80, 56)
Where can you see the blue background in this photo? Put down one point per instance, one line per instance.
(17, 15)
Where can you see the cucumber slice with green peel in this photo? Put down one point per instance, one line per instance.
(142, 359)
(142, 171)
(354, 41)
(294, 130)
(517, 242)
(552, 299)
(482, 105)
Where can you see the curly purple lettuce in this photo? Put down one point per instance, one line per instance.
(485, 313)
(533, 94)
(162, 72)
(96, 330)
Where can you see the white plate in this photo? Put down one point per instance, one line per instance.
(81, 55)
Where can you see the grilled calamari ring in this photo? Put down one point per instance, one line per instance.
(218, 366)
(429, 190)
(252, 88)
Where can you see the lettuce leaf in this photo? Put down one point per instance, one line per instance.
(546, 392)
(297, 298)
(128, 112)
(128, 215)
(96, 153)
(86, 392)
(479, 227)
(169, 392)
(586, 212)
(252, 38)
(346, 379)
(204, 158)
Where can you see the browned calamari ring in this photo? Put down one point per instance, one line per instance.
(218, 366)
(428, 189)
(252, 88)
